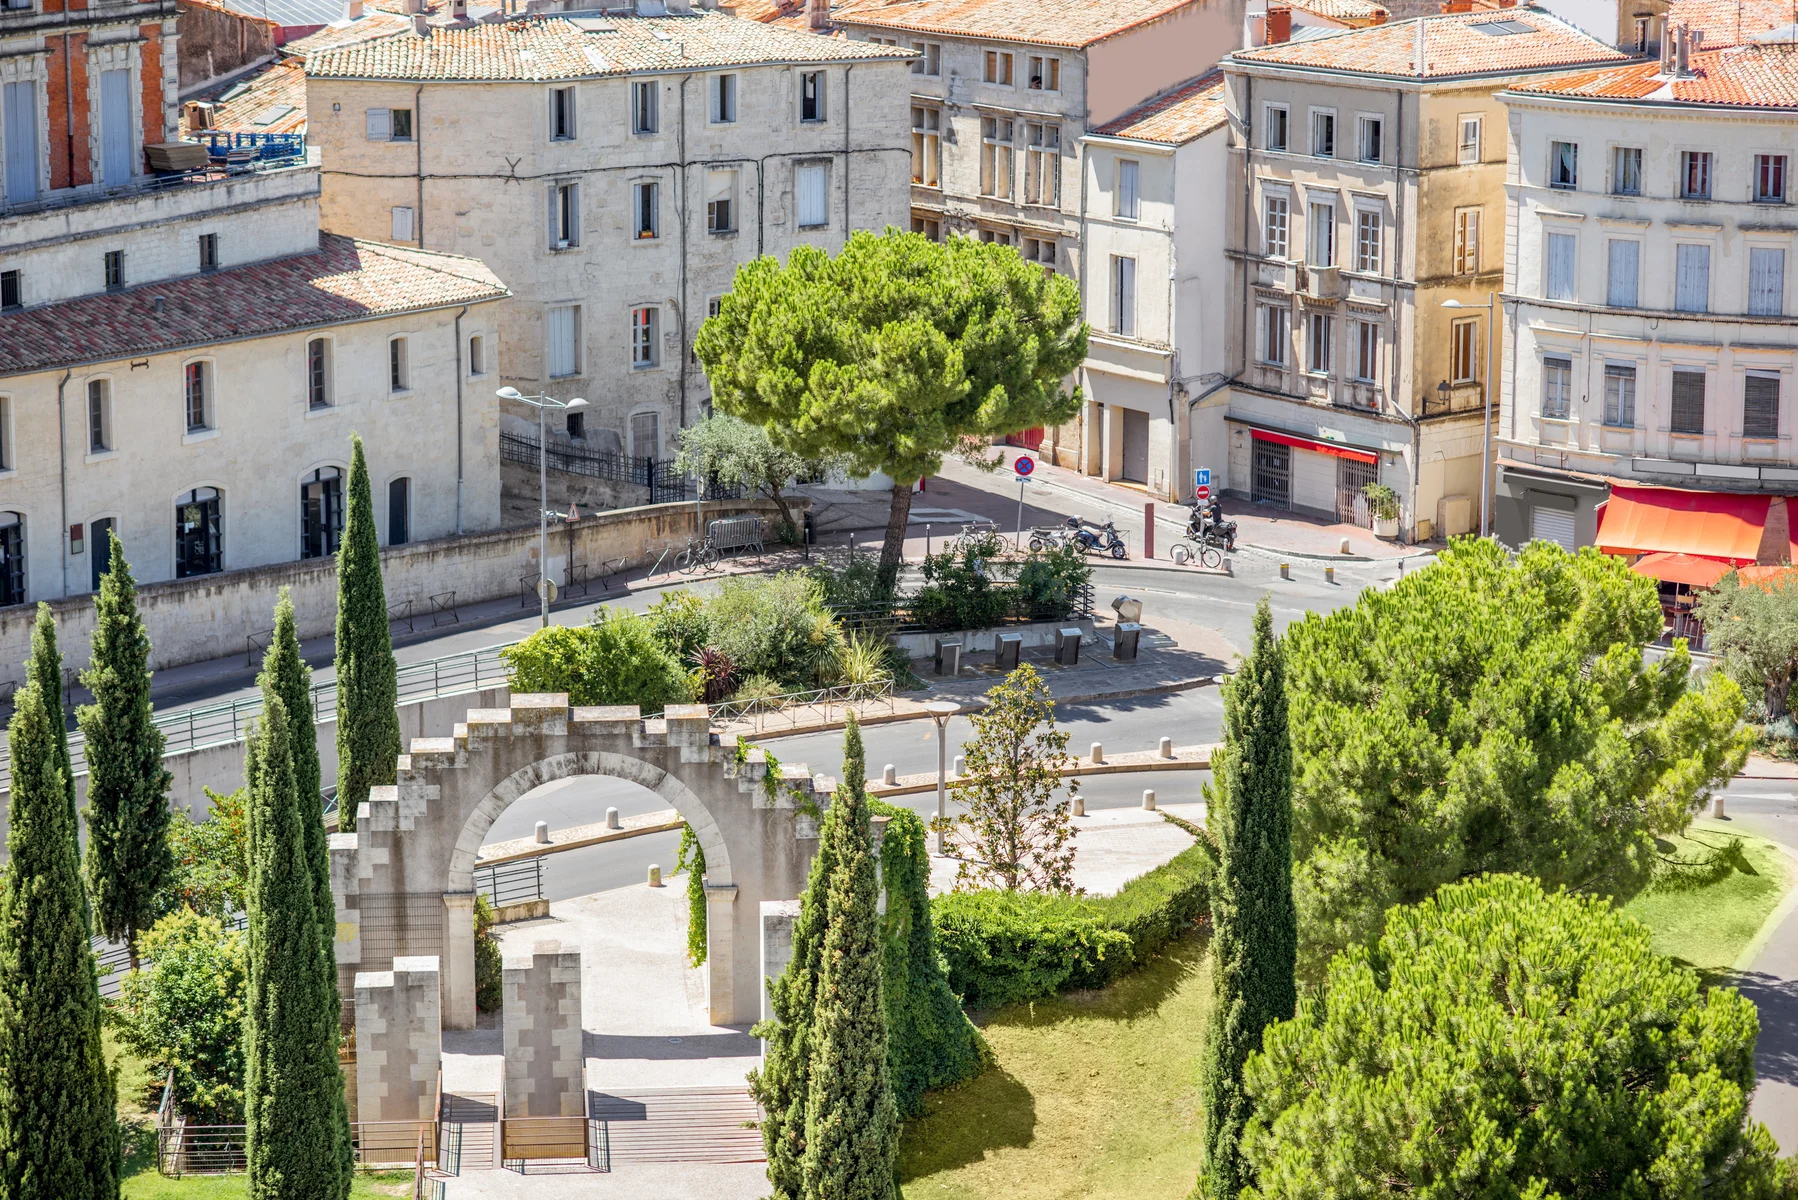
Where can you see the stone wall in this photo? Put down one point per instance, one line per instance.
(541, 1020)
(398, 1045)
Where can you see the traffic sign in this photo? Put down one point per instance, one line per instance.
(1203, 491)
(1201, 477)
(1024, 465)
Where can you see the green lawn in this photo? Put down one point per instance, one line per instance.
(1094, 1095)
(1709, 927)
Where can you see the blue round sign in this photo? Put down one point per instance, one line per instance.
(1024, 465)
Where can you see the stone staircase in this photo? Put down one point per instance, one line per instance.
(696, 1124)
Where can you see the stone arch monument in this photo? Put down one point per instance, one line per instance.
(404, 881)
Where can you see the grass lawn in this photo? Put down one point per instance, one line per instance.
(1709, 927)
(1094, 1095)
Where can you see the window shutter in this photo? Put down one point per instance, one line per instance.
(1692, 288)
(20, 140)
(1560, 266)
(380, 125)
(562, 359)
(1127, 193)
(1625, 256)
(1766, 281)
(1126, 296)
(402, 224)
(1688, 401)
(1760, 406)
(813, 195)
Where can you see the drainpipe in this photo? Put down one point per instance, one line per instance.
(418, 150)
(62, 463)
(846, 153)
(685, 217)
(459, 317)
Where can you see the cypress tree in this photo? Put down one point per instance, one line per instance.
(368, 727)
(851, 1123)
(293, 1088)
(129, 861)
(58, 1101)
(45, 666)
(1255, 938)
(285, 674)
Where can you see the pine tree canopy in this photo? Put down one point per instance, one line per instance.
(368, 727)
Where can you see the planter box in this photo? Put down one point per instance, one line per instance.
(1385, 527)
(978, 641)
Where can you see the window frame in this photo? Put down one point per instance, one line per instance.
(646, 210)
(1320, 337)
(404, 484)
(1274, 319)
(333, 511)
(562, 118)
(1283, 124)
(1467, 154)
(1610, 272)
(1557, 367)
(646, 329)
(995, 149)
(1050, 65)
(1364, 122)
(1674, 400)
(803, 170)
(200, 371)
(1323, 127)
(1126, 204)
(213, 541)
(209, 253)
(1696, 174)
(1464, 350)
(399, 365)
(393, 223)
(320, 393)
(477, 355)
(12, 289)
(997, 68)
(1615, 402)
(730, 214)
(1559, 179)
(1368, 218)
(1366, 350)
(576, 356)
(1284, 224)
(1762, 375)
(1779, 300)
(1571, 288)
(1624, 161)
(646, 97)
(927, 146)
(99, 423)
(1123, 295)
(1779, 165)
(817, 102)
(564, 215)
(1316, 229)
(1679, 253)
(113, 268)
(1465, 251)
(722, 93)
(1042, 164)
(929, 62)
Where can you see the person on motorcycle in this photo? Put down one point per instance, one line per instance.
(1208, 519)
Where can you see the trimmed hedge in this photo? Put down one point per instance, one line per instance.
(1004, 947)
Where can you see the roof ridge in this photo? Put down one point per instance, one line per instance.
(404, 254)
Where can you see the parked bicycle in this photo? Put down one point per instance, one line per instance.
(1188, 549)
(700, 553)
(976, 535)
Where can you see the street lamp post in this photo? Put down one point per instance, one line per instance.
(940, 711)
(542, 404)
(1486, 421)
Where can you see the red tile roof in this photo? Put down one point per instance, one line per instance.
(1727, 22)
(1072, 23)
(1453, 46)
(1191, 110)
(372, 24)
(578, 47)
(1751, 76)
(273, 100)
(346, 280)
(1344, 10)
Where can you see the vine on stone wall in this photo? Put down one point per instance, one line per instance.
(692, 861)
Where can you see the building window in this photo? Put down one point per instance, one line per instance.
(724, 99)
(1463, 351)
(1274, 225)
(1368, 227)
(1557, 387)
(812, 181)
(1042, 164)
(1276, 334)
(6, 456)
(1323, 235)
(564, 341)
(1045, 73)
(995, 157)
(646, 209)
(397, 368)
(318, 373)
(399, 511)
(20, 145)
(477, 355)
(1563, 165)
(1318, 344)
(1769, 179)
(1626, 170)
(643, 336)
(574, 424)
(1129, 194)
(389, 124)
(197, 378)
(1760, 404)
(1123, 296)
(1695, 175)
(1367, 351)
(1277, 120)
(1688, 402)
(561, 114)
(1369, 138)
(199, 533)
(926, 145)
(1323, 134)
(12, 289)
(998, 67)
(1641, 35)
(1766, 281)
(321, 513)
(643, 106)
(115, 270)
(209, 252)
(1620, 395)
(99, 416)
(564, 216)
(1692, 278)
(1623, 273)
(1040, 250)
(1467, 241)
(401, 223)
(1467, 149)
(1562, 260)
(930, 59)
(811, 96)
(996, 237)
(930, 227)
(646, 435)
(12, 558)
(721, 202)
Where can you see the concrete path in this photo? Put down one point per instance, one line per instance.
(635, 1181)
(1111, 847)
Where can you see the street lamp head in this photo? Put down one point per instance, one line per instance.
(577, 402)
(509, 393)
(1442, 389)
(1453, 304)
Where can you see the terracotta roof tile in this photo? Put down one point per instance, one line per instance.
(580, 47)
(1453, 46)
(1074, 23)
(1344, 10)
(1727, 22)
(345, 280)
(273, 100)
(372, 24)
(1751, 76)
(1191, 110)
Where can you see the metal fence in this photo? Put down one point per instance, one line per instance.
(510, 883)
(660, 476)
(789, 708)
(1019, 608)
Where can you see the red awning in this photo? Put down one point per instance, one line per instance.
(1682, 568)
(1643, 520)
(1287, 439)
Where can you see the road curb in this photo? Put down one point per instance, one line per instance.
(1764, 935)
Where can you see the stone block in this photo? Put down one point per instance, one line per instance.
(541, 1028)
(399, 1040)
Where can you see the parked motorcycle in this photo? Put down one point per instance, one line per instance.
(1048, 537)
(1103, 539)
(1208, 526)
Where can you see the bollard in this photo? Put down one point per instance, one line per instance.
(1285, 570)
(889, 775)
(543, 833)
(655, 875)
(1342, 547)
(1329, 574)
(1717, 805)
(1148, 800)
(1401, 568)
(1079, 805)
(960, 765)
(1148, 530)
(1098, 753)
(1167, 747)
(1228, 569)
(612, 819)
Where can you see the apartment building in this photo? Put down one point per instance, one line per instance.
(1157, 291)
(1365, 235)
(615, 170)
(1649, 299)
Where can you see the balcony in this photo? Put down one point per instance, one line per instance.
(1459, 398)
(1321, 283)
(149, 199)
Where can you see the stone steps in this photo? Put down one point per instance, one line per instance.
(700, 1124)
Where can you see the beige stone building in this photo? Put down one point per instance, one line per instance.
(1367, 193)
(615, 170)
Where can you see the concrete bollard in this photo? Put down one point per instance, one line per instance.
(1148, 800)
(1717, 805)
(1228, 569)
(961, 766)
(543, 833)
(1167, 748)
(1285, 570)
(1098, 753)
(655, 875)
(1342, 547)
(612, 819)
(1329, 574)
(1079, 805)
(889, 775)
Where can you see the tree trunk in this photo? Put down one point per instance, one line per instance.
(786, 511)
(1776, 698)
(892, 551)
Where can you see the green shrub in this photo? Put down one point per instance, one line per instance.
(680, 623)
(183, 1011)
(959, 591)
(777, 626)
(212, 868)
(1049, 583)
(615, 658)
(489, 964)
(857, 586)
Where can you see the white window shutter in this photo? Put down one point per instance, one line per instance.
(1560, 266)
(402, 224)
(380, 125)
(1692, 278)
(1766, 281)
(562, 332)
(1625, 265)
(814, 208)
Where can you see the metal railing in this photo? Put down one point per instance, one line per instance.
(898, 617)
(664, 480)
(510, 883)
(792, 705)
(267, 148)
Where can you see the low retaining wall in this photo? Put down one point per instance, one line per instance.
(977, 641)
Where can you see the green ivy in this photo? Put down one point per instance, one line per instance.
(692, 861)
(489, 964)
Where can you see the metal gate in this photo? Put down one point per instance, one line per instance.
(1272, 482)
(1136, 446)
(449, 1147)
(1351, 476)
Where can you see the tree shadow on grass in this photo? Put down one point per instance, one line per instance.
(1139, 993)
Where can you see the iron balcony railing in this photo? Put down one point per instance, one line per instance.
(665, 481)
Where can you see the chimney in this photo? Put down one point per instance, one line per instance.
(156, 303)
(421, 25)
(353, 10)
(459, 9)
(1457, 6)
(1682, 54)
(1278, 27)
(817, 15)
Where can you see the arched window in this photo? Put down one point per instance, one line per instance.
(321, 512)
(12, 558)
(100, 539)
(199, 533)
